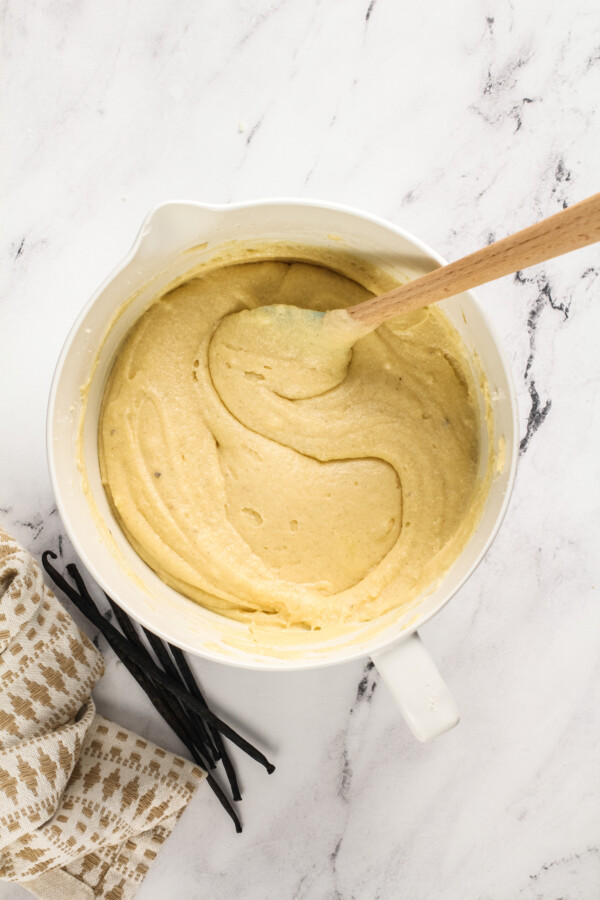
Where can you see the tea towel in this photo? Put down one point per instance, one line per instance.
(85, 805)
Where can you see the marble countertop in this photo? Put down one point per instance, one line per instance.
(461, 122)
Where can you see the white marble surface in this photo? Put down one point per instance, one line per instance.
(460, 121)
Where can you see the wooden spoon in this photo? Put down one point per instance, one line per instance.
(570, 229)
(299, 353)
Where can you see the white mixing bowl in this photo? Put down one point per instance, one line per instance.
(175, 238)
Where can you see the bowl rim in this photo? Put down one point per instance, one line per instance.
(271, 663)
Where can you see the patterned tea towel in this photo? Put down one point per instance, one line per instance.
(84, 804)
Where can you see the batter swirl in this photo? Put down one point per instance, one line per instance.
(321, 510)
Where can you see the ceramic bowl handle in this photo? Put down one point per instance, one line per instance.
(417, 687)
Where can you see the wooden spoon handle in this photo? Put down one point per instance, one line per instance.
(568, 230)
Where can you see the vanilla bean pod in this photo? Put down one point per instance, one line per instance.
(190, 682)
(165, 711)
(148, 664)
(164, 658)
(171, 715)
(130, 632)
(154, 672)
(147, 685)
(180, 729)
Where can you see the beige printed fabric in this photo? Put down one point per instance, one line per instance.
(84, 804)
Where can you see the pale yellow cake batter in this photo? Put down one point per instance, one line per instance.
(324, 510)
